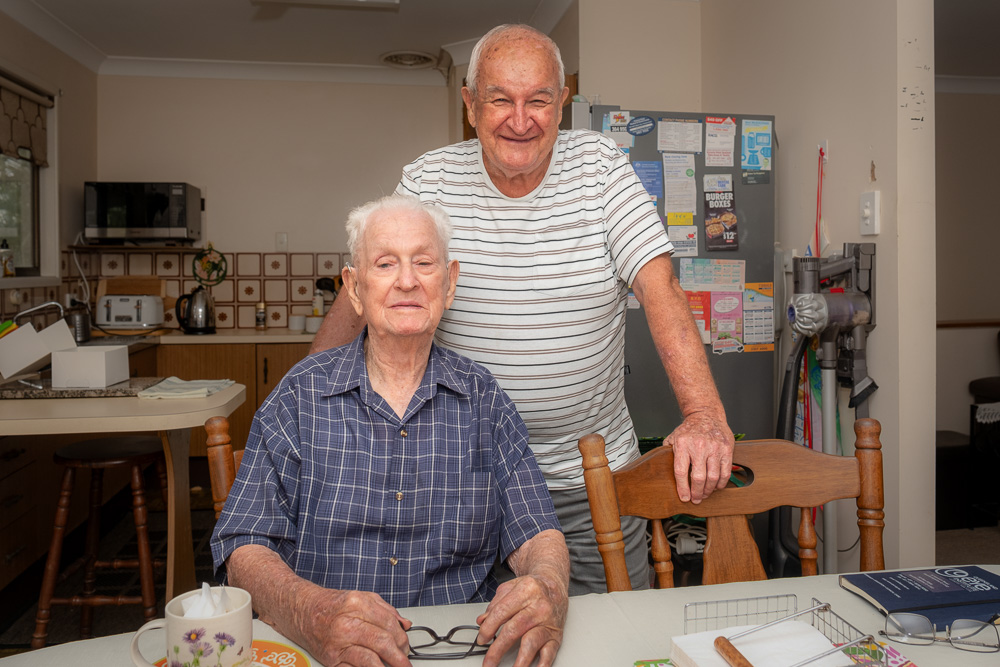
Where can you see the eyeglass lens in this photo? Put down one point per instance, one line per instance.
(965, 634)
(459, 642)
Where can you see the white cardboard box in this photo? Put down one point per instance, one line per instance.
(26, 350)
(91, 367)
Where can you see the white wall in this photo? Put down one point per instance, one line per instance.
(832, 72)
(29, 56)
(269, 156)
(641, 54)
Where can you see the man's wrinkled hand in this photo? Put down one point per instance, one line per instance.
(530, 608)
(703, 456)
(354, 628)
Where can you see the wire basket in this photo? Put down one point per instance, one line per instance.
(718, 614)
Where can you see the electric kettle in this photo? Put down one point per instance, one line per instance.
(196, 312)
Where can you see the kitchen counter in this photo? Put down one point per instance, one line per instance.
(43, 389)
(236, 336)
(222, 336)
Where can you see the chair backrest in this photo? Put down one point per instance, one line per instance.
(223, 462)
(780, 473)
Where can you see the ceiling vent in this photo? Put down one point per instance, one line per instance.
(408, 59)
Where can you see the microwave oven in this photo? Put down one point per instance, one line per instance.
(152, 212)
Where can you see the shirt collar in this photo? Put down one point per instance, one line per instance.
(353, 371)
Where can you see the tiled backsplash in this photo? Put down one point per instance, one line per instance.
(284, 281)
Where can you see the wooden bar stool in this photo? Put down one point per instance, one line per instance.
(96, 455)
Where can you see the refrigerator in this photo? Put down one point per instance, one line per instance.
(713, 176)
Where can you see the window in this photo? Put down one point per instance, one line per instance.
(23, 154)
(19, 221)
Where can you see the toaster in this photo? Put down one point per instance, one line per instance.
(129, 311)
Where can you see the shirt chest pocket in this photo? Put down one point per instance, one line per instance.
(563, 268)
(471, 519)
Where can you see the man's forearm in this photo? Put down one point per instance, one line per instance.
(341, 325)
(545, 555)
(278, 593)
(676, 338)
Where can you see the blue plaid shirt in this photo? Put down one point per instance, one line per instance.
(354, 498)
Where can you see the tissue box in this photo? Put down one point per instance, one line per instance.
(26, 350)
(90, 367)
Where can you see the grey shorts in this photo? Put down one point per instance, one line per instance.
(586, 567)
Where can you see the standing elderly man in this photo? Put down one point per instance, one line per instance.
(391, 472)
(551, 228)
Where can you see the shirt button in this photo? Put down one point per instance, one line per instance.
(399, 495)
(402, 432)
(393, 560)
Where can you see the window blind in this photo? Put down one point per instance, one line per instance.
(22, 122)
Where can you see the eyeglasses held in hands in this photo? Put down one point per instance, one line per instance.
(965, 634)
(460, 642)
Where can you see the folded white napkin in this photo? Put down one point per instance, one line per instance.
(207, 604)
(173, 387)
(780, 645)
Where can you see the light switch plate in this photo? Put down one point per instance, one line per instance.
(869, 212)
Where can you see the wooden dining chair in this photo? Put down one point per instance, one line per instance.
(223, 462)
(776, 473)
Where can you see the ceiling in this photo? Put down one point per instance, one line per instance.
(125, 36)
(343, 43)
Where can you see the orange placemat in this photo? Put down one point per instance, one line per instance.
(268, 654)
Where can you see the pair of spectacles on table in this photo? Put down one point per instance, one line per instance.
(458, 643)
(965, 634)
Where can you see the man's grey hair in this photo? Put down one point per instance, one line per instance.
(500, 32)
(359, 217)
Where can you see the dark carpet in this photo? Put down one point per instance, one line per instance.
(118, 541)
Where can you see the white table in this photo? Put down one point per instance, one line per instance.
(609, 630)
(172, 419)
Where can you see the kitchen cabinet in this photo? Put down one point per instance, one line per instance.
(257, 366)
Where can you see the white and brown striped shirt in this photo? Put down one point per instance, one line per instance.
(543, 287)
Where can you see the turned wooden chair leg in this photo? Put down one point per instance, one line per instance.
(44, 614)
(92, 545)
(140, 518)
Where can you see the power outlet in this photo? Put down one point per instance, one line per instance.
(869, 212)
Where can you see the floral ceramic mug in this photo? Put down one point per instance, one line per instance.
(219, 641)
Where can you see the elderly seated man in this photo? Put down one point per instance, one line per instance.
(391, 472)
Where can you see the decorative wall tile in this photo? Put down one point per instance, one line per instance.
(224, 292)
(247, 291)
(247, 264)
(301, 265)
(187, 266)
(276, 264)
(86, 263)
(275, 291)
(189, 285)
(170, 319)
(225, 317)
(277, 317)
(64, 264)
(245, 317)
(297, 309)
(230, 264)
(140, 264)
(302, 290)
(168, 264)
(328, 264)
(113, 264)
(173, 288)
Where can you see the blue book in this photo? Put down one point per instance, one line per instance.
(942, 594)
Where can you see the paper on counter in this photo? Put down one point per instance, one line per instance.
(173, 387)
(780, 645)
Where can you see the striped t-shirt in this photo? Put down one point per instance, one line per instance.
(543, 287)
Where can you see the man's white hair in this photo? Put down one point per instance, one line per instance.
(359, 217)
(500, 32)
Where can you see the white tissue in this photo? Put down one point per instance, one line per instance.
(207, 604)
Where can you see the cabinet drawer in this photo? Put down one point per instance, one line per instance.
(14, 455)
(19, 547)
(17, 494)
